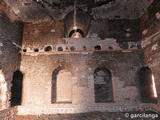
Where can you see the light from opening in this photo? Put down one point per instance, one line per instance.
(76, 35)
(2, 78)
(75, 27)
(154, 87)
(3, 86)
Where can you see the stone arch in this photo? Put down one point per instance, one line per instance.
(61, 85)
(3, 91)
(103, 88)
(147, 86)
(16, 89)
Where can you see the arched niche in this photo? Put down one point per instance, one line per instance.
(147, 85)
(16, 89)
(61, 86)
(103, 89)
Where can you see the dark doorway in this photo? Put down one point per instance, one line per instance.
(16, 89)
(146, 85)
(103, 85)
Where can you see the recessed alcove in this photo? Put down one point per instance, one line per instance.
(97, 47)
(61, 86)
(79, 56)
(24, 50)
(103, 85)
(36, 50)
(60, 49)
(147, 86)
(48, 48)
(16, 89)
(72, 48)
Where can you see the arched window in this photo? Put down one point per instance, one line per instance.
(103, 85)
(147, 85)
(16, 89)
(3, 91)
(61, 86)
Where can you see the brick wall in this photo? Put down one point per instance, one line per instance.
(38, 68)
(38, 76)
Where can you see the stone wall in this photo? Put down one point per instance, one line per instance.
(151, 43)
(41, 34)
(8, 113)
(39, 66)
(109, 34)
(38, 69)
(10, 41)
(152, 58)
(123, 30)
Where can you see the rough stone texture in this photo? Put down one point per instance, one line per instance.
(114, 9)
(41, 34)
(8, 114)
(51, 33)
(38, 78)
(38, 66)
(126, 30)
(151, 45)
(10, 37)
(93, 116)
(150, 21)
(152, 58)
(7, 10)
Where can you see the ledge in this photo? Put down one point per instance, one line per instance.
(79, 52)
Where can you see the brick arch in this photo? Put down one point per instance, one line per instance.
(146, 85)
(103, 88)
(61, 85)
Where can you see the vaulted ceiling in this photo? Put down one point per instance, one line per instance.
(29, 10)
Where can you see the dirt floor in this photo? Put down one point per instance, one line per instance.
(94, 116)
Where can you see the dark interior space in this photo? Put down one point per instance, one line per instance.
(145, 84)
(48, 48)
(97, 47)
(103, 85)
(54, 84)
(16, 89)
(74, 32)
(79, 56)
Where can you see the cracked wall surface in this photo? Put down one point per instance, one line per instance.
(10, 33)
(151, 44)
(118, 41)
